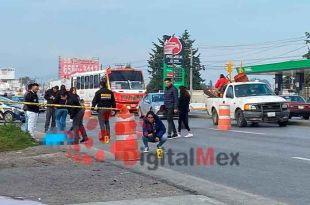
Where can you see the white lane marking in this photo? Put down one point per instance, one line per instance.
(245, 132)
(301, 158)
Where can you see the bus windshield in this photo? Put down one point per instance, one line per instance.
(126, 80)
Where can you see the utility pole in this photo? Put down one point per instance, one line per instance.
(191, 73)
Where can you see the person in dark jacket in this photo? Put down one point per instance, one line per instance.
(171, 106)
(77, 115)
(153, 131)
(104, 98)
(61, 112)
(50, 96)
(184, 101)
(29, 86)
(32, 112)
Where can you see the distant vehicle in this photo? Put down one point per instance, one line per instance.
(18, 98)
(154, 102)
(42, 100)
(11, 112)
(21, 99)
(298, 106)
(127, 85)
(250, 102)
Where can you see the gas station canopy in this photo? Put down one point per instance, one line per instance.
(294, 66)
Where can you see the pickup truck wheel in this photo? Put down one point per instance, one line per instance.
(306, 117)
(215, 117)
(241, 122)
(282, 124)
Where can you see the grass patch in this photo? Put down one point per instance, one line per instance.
(13, 138)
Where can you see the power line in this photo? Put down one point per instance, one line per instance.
(291, 40)
(250, 53)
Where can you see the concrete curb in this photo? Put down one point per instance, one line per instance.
(220, 194)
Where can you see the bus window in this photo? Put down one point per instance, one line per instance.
(86, 82)
(96, 81)
(82, 82)
(78, 83)
(91, 82)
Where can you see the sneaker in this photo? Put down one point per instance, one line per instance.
(179, 135)
(175, 135)
(84, 140)
(146, 150)
(189, 135)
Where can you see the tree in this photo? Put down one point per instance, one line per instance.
(156, 67)
(26, 80)
(197, 80)
(307, 56)
(156, 64)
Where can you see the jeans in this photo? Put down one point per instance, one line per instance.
(78, 126)
(61, 116)
(50, 113)
(183, 117)
(171, 125)
(162, 140)
(32, 118)
(103, 117)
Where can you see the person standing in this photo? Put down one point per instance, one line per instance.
(153, 131)
(50, 96)
(61, 112)
(171, 106)
(77, 115)
(104, 98)
(25, 106)
(32, 110)
(184, 101)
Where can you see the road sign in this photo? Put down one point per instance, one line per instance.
(173, 46)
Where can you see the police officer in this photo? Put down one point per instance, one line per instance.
(104, 98)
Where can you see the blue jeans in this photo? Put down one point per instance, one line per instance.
(61, 116)
(162, 140)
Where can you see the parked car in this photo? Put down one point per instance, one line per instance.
(21, 99)
(152, 101)
(10, 112)
(298, 106)
(252, 102)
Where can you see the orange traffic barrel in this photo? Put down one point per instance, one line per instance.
(87, 113)
(224, 122)
(125, 146)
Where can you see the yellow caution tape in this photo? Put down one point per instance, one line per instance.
(58, 105)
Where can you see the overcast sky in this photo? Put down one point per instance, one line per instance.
(35, 32)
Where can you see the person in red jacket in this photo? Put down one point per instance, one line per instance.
(221, 82)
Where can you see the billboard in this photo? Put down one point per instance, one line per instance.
(70, 66)
(7, 74)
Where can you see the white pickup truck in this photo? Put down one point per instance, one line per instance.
(252, 102)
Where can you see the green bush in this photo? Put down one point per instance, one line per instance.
(13, 138)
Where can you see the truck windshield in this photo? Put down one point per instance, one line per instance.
(247, 90)
(126, 80)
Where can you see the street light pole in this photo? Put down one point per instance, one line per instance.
(191, 73)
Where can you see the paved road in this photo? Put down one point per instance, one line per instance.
(274, 161)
